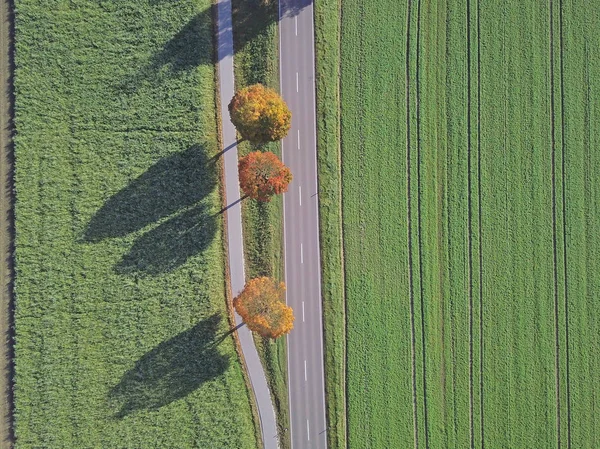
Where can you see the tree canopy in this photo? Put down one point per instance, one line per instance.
(262, 307)
(263, 175)
(260, 114)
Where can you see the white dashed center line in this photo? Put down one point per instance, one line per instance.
(300, 194)
(301, 254)
(296, 81)
(305, 376)
(307, 430)
(298, 139)
(296, 24)
(303, 311)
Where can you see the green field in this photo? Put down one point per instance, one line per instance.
(120, 292)
(470, 219)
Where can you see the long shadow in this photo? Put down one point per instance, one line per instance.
(173, 183)
(170, 244)
(189, 48)
(172, 370)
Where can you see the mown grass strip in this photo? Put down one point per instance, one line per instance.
(327, 43)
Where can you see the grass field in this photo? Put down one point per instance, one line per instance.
(469, 216)
(120, 288)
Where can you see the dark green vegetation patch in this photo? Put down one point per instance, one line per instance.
(120, 292)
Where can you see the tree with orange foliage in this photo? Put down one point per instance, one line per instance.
(263, 175)
(262, 307)
(260, 114)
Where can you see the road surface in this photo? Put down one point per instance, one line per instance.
(234, 226)
(301, 228)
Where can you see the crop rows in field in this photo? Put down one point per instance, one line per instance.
(120, 298)
(468, 223)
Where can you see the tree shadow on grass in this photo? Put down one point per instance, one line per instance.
(172, 370)
(170, 244)
(188, 48)
(191, 46)
(174, 182)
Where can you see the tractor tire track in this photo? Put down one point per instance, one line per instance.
(449, 267)
(470, 229)
(564, 218)
(411, 293)
(479, 208)
(419, 230)
(554, 231)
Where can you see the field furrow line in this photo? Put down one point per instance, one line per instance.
(449, 266)
(409, 220)
(554, 231)
(361, 174)
(564, 218)
(470, 227)
(419, 230)
(479, 196)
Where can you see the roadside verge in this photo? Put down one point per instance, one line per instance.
(328, 56)
(6, 225)
(235, 248)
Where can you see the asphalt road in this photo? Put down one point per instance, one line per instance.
(301, 228)
(233, 213)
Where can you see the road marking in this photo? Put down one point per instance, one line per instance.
(298, 139)
(301, 254)
(303, 311)
(296, 81)
(296, 23)
(300, 194)
(282, 73)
